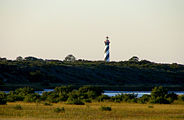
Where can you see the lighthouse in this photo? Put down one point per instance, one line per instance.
(107, 53)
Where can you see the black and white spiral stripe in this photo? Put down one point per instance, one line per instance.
(107, 59)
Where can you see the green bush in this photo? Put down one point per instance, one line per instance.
(181, 97)
(75, 101)
(53, 97)
(87, 100)
(47, 104)
(102, 98)
(144, 99)
(64, 89)
(12, 97)
(19, 94)
(3, 98)
(160, 100)
(105, 108)
(124, 98)
(75, 98)
(63, 97)
(91, 91)
(24, 91)
(58, 110)
(160, 95)
(116, 98)
(18, 107)
(171, 97)
(150, 106)
(129, 98)
(31, 97)
(44, 96)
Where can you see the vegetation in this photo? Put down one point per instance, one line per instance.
(86, 94)
(3, 98)
(181, 97)
(91, 111)
(18, 107)
(58, 110)
(47, 104)
(88, 102)
(105, 108)
(133, 74)
(160, 95)
(150, 106)
(124, 98)
(70, 58)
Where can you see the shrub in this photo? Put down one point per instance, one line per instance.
(63, 97)
(63, 89)
(44, 96)
(171, 97)
(150, 106)
(116, 98)
(105, 108)
(124, 98)
(181, 97)
(75, 101)
(87, 100)
(3, 98)
(47, 104)
(32, 97)
(12, 97)
(160, 100)
(102, 98)
(24, 91)
(19, 94)
(160, 95)
(134, 100)
(129, 97)
(58, 110)
(91, 91)
(144, 99)
(18, 107)
(74, 98)
(53, 97)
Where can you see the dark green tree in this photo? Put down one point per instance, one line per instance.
(70, 58)
(160, 95)
(3, 98)
(19, 58)
(134, 59)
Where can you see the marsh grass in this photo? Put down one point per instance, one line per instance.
(91, 111)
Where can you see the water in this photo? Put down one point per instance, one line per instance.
(139, 93)
(44, 90)
(113, 93)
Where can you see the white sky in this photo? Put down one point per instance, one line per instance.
(52, 29)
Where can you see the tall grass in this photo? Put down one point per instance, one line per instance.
(90, 111)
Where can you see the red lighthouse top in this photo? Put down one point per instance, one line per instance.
(107, 41)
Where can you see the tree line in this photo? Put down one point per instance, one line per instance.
(51, 73)
(86, 94)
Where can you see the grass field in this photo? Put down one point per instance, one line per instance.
(91, 111)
